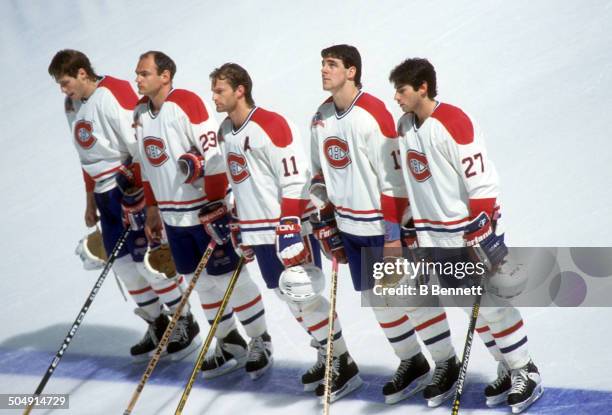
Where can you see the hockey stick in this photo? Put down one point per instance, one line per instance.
(166, 337)
(330, 337)
(481, 257)
(77, 323)
(211, 334)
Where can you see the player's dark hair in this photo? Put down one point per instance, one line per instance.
(235, 75)
(68, 62)
(414, 72)
(162, 61)
(349, 55)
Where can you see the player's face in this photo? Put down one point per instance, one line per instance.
(148, 81)
(333, 74)
(407, 98)
(224, 96)
(73, 87)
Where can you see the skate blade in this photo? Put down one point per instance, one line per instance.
(181, 354)
(417, 385)
(438, 400)
(229, 366)
(256, 374)
(354, 383)
(493, 401)
(520, 407)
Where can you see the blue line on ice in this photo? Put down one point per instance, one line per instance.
(283, 379)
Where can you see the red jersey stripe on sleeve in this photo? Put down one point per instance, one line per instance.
(90, 183)
(215, 186)
(148, 194)
(393, 208)
(293, 207)
(482, 205)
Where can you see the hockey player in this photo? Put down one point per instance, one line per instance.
(270, 174)
(362, 199)
(454, 193)
(99, 112)
(184, 177)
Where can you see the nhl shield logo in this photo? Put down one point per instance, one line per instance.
(417, 163)
(336, 152)
(83, 134)
(155, 150)
(238, 167)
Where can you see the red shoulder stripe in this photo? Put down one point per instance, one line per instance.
(379, 111)
(456, 122)
(190, 103)
(274, 125)
(121, 90)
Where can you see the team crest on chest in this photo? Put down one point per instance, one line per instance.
(83, 134)
(418, 165)
(155, 150)
(336, 152)
(237, 165)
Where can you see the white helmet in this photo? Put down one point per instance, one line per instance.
(158, 262)
(301, 283)
(508, 281)
(91, 251)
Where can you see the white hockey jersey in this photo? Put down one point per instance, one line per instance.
(101, 127)
(357, 152)
(182, 123)
(269, 173)
(449, 176)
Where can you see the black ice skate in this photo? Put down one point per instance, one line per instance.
(184, 338)
(315, 375)
(155, 331)
(411, 376)
(497, 391)
(526, 387)
(259, 358)
(344, 378)
(230, 354)
(443, 382)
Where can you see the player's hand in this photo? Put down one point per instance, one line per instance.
(479, 234)
(216, 219)
(289, 242)
(153, 225)
(241, 249)
(325, 229)
(91, 211)
(133, 209)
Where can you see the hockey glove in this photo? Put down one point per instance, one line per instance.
(216, 219)
(133, 209)
(416, 254)
(191, 165)
(242, 250)
(325, 229)
(289, 243)
(488, 247)
(318, 192)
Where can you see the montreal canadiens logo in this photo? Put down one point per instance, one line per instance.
(238, 167)
(417, 163)
(83, 134)
(155, 149)
(336, 152)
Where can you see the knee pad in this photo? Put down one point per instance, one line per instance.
(301, 283)
(497, 314)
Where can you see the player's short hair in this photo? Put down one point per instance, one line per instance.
(162, 61)
(235, 75)
(414, 72)
(68, 62)
(349, 55)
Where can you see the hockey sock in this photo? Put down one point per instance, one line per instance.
(399, 331)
